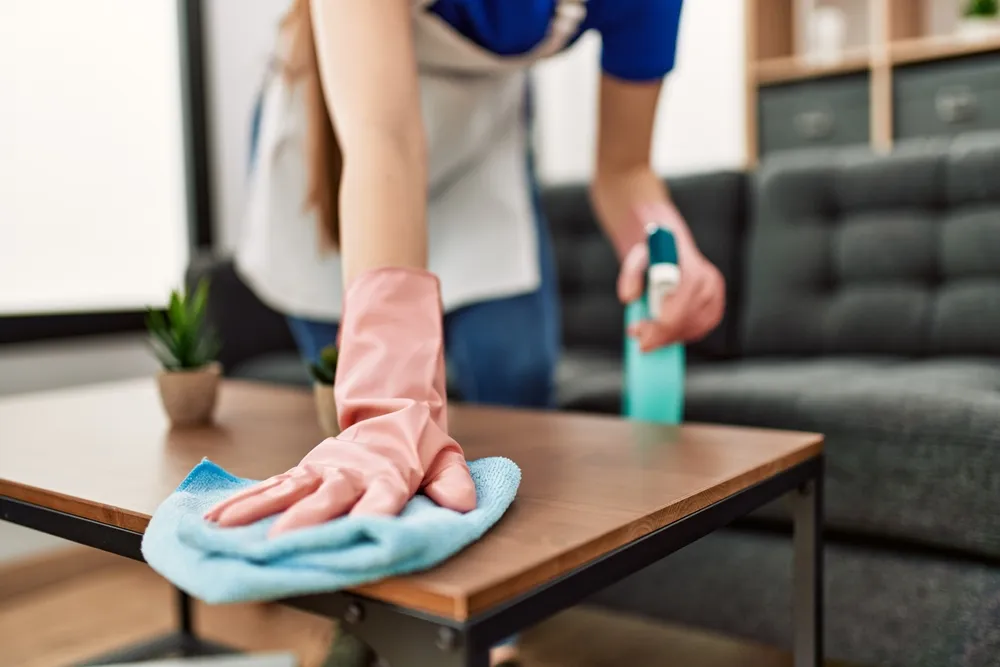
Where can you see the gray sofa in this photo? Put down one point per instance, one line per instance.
(864, 303)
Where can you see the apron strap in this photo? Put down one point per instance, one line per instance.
(569, 15)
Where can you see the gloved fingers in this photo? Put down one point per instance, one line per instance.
(215, 512)
(270, 501)
(385, 496)
(334, 497)
(453, 487)
(632, 276)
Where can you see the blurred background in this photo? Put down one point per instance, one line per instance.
(839, 160)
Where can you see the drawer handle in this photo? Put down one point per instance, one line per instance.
(814, 124)
(955, 106)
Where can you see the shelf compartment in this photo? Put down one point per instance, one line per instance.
(934, 48)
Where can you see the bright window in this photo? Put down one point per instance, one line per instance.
(93, 212)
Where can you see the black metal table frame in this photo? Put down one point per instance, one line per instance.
(407, 638)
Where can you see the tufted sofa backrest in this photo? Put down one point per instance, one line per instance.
(858, 253)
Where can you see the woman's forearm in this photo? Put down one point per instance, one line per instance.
(383, 202)
(619, 195)
(369, 76)
(626, 191)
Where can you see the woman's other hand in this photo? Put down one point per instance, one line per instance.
(695, 308)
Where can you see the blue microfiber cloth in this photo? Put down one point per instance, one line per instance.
(220, 565)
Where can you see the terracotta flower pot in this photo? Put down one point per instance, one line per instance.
(326, 409)
(189, 396)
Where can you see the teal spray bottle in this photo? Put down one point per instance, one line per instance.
(654, 381)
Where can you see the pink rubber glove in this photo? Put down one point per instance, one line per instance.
(391, 403)
(695, 308)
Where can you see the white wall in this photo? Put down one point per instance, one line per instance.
(93, 211)
(700, 125)
(240, 37)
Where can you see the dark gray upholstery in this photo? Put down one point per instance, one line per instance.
(863, 254)
(913, 447)
(883, 607)
(281, 367)
(864, 303)
(246, 327)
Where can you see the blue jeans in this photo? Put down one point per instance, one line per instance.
(500, 352)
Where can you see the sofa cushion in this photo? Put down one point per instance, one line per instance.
(714, 207)
(246, 327)
(882, 607)
(589, 381)
(853, 252)
(912, 446)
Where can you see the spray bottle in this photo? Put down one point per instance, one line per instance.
(654, 381)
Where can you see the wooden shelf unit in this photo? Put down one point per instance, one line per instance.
(897, 33)
(922, 49)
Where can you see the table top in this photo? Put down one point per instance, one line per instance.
(590, 484)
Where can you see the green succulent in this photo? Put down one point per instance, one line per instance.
(179, 336)
(982, 8)
(325, 370)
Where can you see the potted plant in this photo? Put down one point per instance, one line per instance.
(323, 372)
(980, 20)
(187, 350)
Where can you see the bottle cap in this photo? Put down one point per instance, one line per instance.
(662, 245)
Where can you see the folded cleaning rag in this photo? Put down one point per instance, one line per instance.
(220, 565)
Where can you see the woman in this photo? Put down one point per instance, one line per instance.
(420, 229)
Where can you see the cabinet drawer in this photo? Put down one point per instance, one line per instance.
(947, 97)
(819, 113)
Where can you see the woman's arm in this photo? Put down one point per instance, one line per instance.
(369, 75)
(627, 195)
(624, 180)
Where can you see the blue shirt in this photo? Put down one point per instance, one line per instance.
(639, 37)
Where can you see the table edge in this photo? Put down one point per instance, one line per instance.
(462, 606)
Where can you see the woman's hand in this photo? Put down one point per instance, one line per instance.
(342, 476)
(391, 403)
(695, 308)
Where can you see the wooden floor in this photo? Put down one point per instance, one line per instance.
(92, 613)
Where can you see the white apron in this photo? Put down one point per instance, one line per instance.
(481, 222)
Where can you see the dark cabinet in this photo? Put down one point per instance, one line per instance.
(827, 112)
(947, 97)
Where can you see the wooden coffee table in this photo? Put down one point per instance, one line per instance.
(601, 498)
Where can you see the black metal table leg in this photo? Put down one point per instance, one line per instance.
(185, 617)
(808, 573)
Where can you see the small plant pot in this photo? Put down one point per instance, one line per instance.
(189, 396)
(326, 409)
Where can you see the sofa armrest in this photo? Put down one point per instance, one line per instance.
(247, 328)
